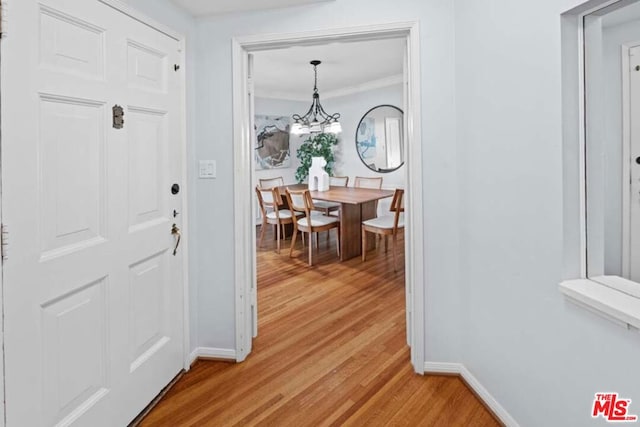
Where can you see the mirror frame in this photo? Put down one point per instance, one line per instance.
(379, 170)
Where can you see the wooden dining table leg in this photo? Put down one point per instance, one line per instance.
(349, 231)
(369, 211)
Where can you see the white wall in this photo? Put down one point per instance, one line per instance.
(540, 356)
(214, 250)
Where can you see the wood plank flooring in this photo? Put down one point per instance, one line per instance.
(331, 351)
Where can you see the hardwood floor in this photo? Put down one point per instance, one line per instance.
(331, 350)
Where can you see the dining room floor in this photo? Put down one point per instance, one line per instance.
(331, 350)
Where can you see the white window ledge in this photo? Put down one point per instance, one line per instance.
(614, 304)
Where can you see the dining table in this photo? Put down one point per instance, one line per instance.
(356, 205)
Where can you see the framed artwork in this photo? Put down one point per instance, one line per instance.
(272, 142)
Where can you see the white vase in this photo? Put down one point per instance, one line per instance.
(318, 177)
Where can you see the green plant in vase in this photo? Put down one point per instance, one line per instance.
(318, 145)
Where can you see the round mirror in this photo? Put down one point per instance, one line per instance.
(380, 140)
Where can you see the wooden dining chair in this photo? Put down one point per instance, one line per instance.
(268, 199)
(386, 225)
(329, 208)
(266, 183)
(368, 182)
(339, 181)
(300, 201)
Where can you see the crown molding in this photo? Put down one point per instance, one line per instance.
(345, 91)
(364, 87)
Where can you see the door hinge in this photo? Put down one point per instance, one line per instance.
(4, 241)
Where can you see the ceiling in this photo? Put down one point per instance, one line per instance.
(217, 7)
(346, 68)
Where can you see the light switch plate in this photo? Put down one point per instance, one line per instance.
(207, 169)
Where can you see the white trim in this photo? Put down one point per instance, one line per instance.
(212, 353)
(442, 368)
(621, 284)
(244, 228)
(603, 300)
(186, 339)
(582, 135)
(259, 42)
(626, 153)
(414, 243)
(245, 240)
(3, 408)
(142, 18)
(344, 91)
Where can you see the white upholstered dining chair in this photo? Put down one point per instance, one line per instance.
(300, 201)
(268, 200)
(368, 182)
(331, 207)
(386, 225)
(277, 181)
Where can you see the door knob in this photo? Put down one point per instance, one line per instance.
(176, 232)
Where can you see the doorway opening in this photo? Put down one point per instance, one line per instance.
(244, 178)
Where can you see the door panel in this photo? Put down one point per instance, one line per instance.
(75, 351)
(72, 188)
(147, 67)
(147, 299)
(147, 151)
(93, 292)
(71, 45)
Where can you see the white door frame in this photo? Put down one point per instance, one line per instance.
(133, 13)
(626, 154)
(245, 253)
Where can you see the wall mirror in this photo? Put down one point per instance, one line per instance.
(380, 139)
(612, 144)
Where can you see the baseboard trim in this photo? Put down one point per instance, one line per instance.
(442, 368)
(212, 353)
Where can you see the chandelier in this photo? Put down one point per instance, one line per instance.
(316, 119)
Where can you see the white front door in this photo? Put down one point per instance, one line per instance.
(93, 293)
(634, 196)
